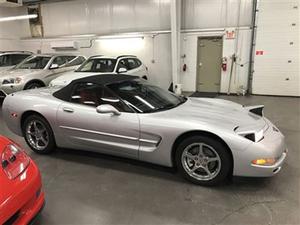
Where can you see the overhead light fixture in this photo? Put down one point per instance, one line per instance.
(22, 17)
(122, 36)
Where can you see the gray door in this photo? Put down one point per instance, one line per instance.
(86, 129)
(209, 64)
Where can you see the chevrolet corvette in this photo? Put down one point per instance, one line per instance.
(206, 139)
(21, 195)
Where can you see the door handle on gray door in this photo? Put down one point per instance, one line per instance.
(69, 110)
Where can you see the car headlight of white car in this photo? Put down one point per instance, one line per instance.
(16, 80)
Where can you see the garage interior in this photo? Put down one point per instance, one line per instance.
(246, 51)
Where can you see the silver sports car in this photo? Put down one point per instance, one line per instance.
(205, 139)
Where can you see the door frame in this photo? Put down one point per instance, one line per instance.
(221, 36)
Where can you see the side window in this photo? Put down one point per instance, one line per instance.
(138, 62)
(62, 60)
(16, 59)
(94, 95)
(131, 64)
(75, 61)
(122, 64)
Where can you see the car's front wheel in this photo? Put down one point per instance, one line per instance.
(38, 134)
(203, 160)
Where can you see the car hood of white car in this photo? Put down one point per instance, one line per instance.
(13, 73)
(68, 77)
(5, 68)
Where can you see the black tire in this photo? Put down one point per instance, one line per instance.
(33, 85)
(219, 149)
(48, 134)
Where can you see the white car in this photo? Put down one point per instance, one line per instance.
(125, 64)
(9, 59)
(37, 71)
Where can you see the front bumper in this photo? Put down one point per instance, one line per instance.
(26, 202)
(271, 146)
(10, 88)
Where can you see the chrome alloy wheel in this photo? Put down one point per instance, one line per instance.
(37, 135)
(201, 161)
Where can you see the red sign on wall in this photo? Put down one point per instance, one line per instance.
(260, 52)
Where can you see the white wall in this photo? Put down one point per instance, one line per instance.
(216, 13)
(115, 16)
(105, 16)
(11, 32)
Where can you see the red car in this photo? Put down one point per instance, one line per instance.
(21, 195)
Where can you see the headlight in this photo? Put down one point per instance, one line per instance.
(12, 80)
(18, 80)
(14, 161)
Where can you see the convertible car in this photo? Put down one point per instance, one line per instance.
(205, 139)
(21, 196)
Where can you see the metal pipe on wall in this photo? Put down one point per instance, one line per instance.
(252, 45)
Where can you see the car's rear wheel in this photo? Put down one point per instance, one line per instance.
(33, 85)
(203, 160)
(38, 134)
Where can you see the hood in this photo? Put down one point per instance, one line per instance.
(4, 190)
(68, 77)
(5, 68)
(14, 73)
(217, 112)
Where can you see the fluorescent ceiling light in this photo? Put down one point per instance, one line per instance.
(121, 36)
(23, 17)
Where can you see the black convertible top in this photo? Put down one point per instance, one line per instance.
(105, 79)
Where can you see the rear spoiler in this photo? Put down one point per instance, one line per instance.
(257, 109)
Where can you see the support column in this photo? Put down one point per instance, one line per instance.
(175, 8)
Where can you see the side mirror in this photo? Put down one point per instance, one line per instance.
(122, 70)
(104, 109)
(54, 66)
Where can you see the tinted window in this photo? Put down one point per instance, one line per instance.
(138, 62)
(94, 95)
(17, 58)
(145, 98)
(75, 61)
(129, 63)
(35, 62)
(98, 65)
(122, 64)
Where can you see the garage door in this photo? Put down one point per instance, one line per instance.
(276, 61)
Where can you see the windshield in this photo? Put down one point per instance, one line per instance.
(35, 62)
(144, 97)
(98, 65)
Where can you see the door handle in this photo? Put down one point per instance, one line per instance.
(69, 110)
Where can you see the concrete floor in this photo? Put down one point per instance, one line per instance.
(87, 188)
